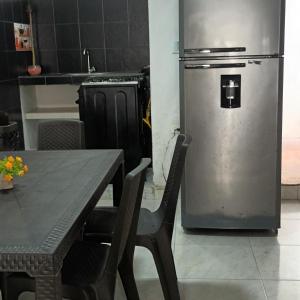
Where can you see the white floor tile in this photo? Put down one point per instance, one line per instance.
(278, 262)
(290, 209)
(282, 290)
(288, 234)
(210, 237)
(151, 205)
(150, 289)
(215, 262)
(144, 266)
(222, 290)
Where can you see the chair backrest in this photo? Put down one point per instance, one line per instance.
(61, 135)
(128, 212)
(167, 208)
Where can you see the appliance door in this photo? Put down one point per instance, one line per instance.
(231, 27)
(232, 174)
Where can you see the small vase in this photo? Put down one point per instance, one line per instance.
(34, 70)
(6, 185)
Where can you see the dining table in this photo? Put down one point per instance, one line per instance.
(45, 212)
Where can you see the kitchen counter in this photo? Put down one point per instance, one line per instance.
(53, 78)
(54, 96)
(71, 78)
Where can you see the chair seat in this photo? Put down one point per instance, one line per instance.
(84, 264)
(101, 222)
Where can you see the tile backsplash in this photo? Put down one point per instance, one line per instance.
(116, 33)
(12, 63)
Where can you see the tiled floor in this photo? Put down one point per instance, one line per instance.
(222, 265)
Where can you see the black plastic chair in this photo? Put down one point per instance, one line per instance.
(89, 270)
(155, 230)
(9, 137)
(61, 135)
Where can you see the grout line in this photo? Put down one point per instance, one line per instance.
(218, 279)
(55, 37)
(264, 288)
(221, 279)
(260, 275)
(79, 36)
(104, 37)
(282, 280)
(128, 25)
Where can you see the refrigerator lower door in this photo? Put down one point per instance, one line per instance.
(231, 27)
(232, 109)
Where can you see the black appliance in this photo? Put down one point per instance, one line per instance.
(111, 106)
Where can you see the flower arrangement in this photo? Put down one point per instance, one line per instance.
(12, 166)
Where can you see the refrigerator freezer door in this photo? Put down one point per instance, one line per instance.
(231, 27)
(232, 174)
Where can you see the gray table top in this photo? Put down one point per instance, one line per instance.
(60, 189)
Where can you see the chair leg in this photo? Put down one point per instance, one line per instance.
(127, 276)
(164, 261)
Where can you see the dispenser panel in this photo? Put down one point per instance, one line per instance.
(230, 91)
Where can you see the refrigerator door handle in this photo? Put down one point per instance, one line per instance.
(214, 50)
(214, 66)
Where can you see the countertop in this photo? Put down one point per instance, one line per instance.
(71, 78)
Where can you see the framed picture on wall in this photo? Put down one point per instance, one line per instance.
(23, 37)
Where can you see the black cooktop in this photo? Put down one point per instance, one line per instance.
(115, 77)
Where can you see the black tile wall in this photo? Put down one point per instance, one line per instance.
(49, 60)
(90, 11)
(116, 33)
(69, 61)
(6, 10)
(66, 11)
(67, 36)
(92, 35)
(45, 36)
(43, 11)
(12, 63)
(115, 11)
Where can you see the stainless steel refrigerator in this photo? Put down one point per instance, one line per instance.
(231, 77)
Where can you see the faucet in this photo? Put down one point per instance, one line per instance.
(90, 69)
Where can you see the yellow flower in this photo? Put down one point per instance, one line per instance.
(8, 165)
(11, 159)
(26, 169)
(19, 159)
(21, 173)
(8, 178)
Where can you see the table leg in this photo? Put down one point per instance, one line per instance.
(48, 287)
(118, 185)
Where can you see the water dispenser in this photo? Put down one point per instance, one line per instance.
(230, 91)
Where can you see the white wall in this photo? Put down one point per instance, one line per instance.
(291, 125)
(291, 98)
(164, 27)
